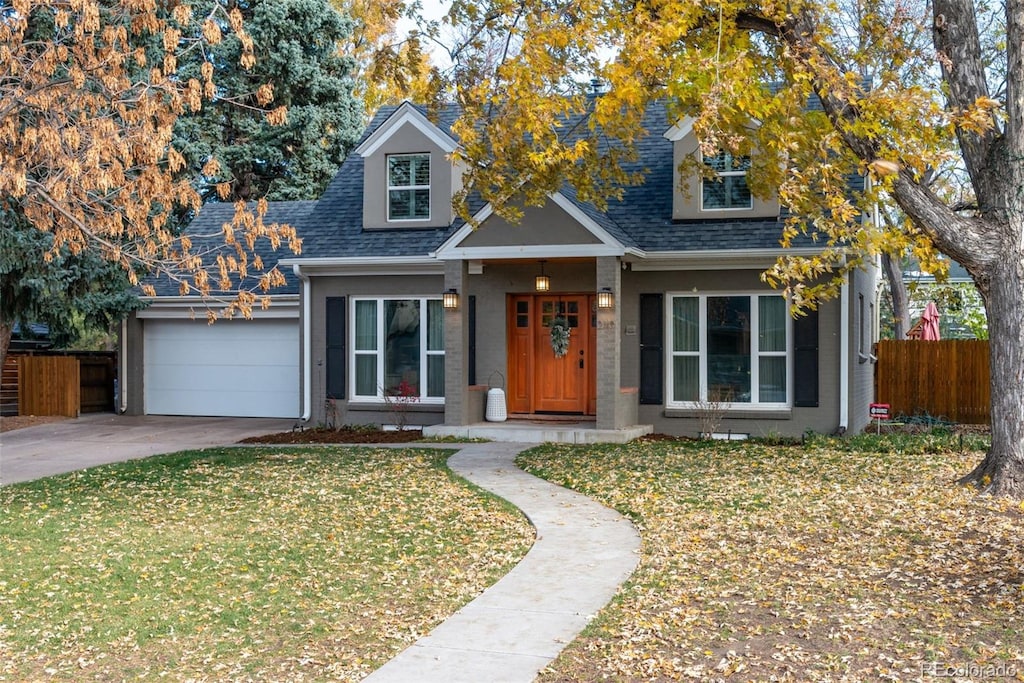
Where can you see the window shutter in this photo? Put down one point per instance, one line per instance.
(335, 347)
(805, 361)
(652, 357)
(471, 355)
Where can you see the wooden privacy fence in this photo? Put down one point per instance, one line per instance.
(947, 379)
(49, 385)
(47, 391)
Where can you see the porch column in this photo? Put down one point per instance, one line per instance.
(456, 347)
(609, 346)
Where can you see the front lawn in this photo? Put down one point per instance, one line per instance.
(839, 560)
(242, 564)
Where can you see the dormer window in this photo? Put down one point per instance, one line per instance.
(728, 190)
(408, 187)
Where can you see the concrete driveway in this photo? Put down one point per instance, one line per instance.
(49, 449)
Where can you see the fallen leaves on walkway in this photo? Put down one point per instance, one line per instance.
(242, 564)
(799, 564)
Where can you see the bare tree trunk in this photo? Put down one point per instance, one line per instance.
(898, 296)
(1002, 470)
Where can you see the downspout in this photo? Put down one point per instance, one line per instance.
(122, 371)
(307, 345)
(844, 355)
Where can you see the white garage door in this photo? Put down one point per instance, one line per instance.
(233, 368)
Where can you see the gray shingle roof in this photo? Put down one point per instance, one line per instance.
(642, 219)
(206, 228)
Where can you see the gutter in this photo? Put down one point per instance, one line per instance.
(307, 344)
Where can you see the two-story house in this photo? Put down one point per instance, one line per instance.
(642, 314)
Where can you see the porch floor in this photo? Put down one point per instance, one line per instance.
(539, 431)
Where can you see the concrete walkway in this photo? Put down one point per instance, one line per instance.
(583, 552)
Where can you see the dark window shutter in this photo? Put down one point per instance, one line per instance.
(471, 355)
(652, 356)
(805, 361)
(335, 347)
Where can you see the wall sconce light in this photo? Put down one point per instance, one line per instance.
(450, 299)
(605, 298)
(542, 282)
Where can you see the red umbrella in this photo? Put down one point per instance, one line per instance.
(930, 323)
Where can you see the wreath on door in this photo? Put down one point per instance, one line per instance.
(560, 332)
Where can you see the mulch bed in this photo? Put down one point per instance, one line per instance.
(342, 435)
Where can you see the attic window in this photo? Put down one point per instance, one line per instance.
(729, 190)
(408, 187)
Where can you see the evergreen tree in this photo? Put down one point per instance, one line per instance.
(295, 43)
(58, 288)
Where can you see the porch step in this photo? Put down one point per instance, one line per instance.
(538, 432)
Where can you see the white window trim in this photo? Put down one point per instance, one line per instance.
(379, 351)
(724, 174)
(702, 355)
(412, 188)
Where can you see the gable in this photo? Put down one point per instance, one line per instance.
(407, 136)
(687, 183)
(559, 228)
(544, 225)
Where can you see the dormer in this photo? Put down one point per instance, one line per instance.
(726, 195)
(409, 179)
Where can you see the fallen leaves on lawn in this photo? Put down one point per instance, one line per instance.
(793, 564)
(242, 564)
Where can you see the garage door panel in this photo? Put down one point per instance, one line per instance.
(236, 368)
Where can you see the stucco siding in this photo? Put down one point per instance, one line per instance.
(549, 224)
(347, 411)
(862, 359)
(823, 418)
(407, 140)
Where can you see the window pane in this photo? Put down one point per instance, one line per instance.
(366, 375)
(421, 172)
(738, 193)
(402, 350)
(421, 203)
(729, 348)
(773, 380)
(685, 323)
(435, 375)
(366, 326)
(714, 194)
(435, 325)
(399, 170)
(399, 204)
(685, 378)
(772, 321)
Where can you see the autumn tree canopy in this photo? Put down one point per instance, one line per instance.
(785, 77)
(88, 103)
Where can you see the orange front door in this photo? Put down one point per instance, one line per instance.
(539, 380)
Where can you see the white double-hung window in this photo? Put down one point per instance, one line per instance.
(728, 348)
(727, 189)
(398, 348)
(408, 187)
